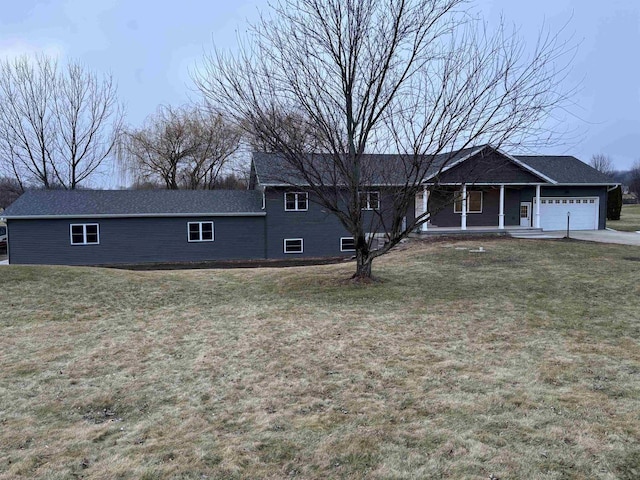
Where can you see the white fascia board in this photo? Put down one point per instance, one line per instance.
(494, 184)
(264, 185)
(136, 215)
(530, 184)
(506, 184)
(586, 184)
(302, 185)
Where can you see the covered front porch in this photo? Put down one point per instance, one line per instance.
(479, 208)
(508, 230)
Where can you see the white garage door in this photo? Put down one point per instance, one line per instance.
(583, 213)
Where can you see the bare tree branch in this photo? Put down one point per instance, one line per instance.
(57, 125)
(602, 163)
(417, 78)
(186, 147)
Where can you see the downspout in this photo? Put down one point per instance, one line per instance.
(6, 222)
(264, 207)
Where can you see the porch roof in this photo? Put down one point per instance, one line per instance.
(490, 166)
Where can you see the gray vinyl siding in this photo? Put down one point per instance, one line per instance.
(320, 229)
(443, 214)
(135, 240)
(441, 204)
(488, 168)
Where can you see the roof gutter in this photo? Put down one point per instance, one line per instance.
(136, 215)
(507, 184)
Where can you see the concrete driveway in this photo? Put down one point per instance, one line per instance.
(602, 236)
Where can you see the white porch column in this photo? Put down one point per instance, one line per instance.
(501, 214)
(425, 206)
(536, 224)
(463, 218)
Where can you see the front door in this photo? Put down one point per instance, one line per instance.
(525, 214)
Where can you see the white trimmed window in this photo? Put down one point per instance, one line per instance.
(296, 201)
(474, 202)
(84, 233)
(370, 200)
(200, 231)
(293, 245)
(347, 244)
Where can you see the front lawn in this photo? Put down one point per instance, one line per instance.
(519, 362)
(629, 219)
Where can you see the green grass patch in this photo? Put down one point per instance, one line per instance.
(521, 362)
(629, 219)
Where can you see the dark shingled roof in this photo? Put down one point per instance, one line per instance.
(79, 203)
(272, 169)
(565, 169)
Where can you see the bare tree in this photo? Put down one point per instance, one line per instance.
(634, 180)
(57, 124)
(186, 147)
(10, 190)
(602, 163)
(292, 129)
(413, 77)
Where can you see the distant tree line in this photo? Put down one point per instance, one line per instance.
(628, 178)
(62, 127)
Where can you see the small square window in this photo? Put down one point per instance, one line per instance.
(564, 201)
(592, 201)
(200, 231)
(85, 234)
(370, 200)
(474, 202)
(347, 244)
(293, 245)
(296, 201)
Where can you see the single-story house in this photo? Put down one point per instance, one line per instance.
(277, 218)
(495, 189)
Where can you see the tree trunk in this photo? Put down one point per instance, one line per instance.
(363, 266)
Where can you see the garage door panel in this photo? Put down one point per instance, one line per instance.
(583, 212)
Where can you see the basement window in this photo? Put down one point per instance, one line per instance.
(347, 244)
(85, 234)
(474, 202)
(200, 231)
(296, 201)
(293, 245)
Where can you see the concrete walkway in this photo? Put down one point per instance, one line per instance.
(601, 236)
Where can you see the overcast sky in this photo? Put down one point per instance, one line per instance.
(150, 48)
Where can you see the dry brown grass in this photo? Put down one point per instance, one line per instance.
(521, 362)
